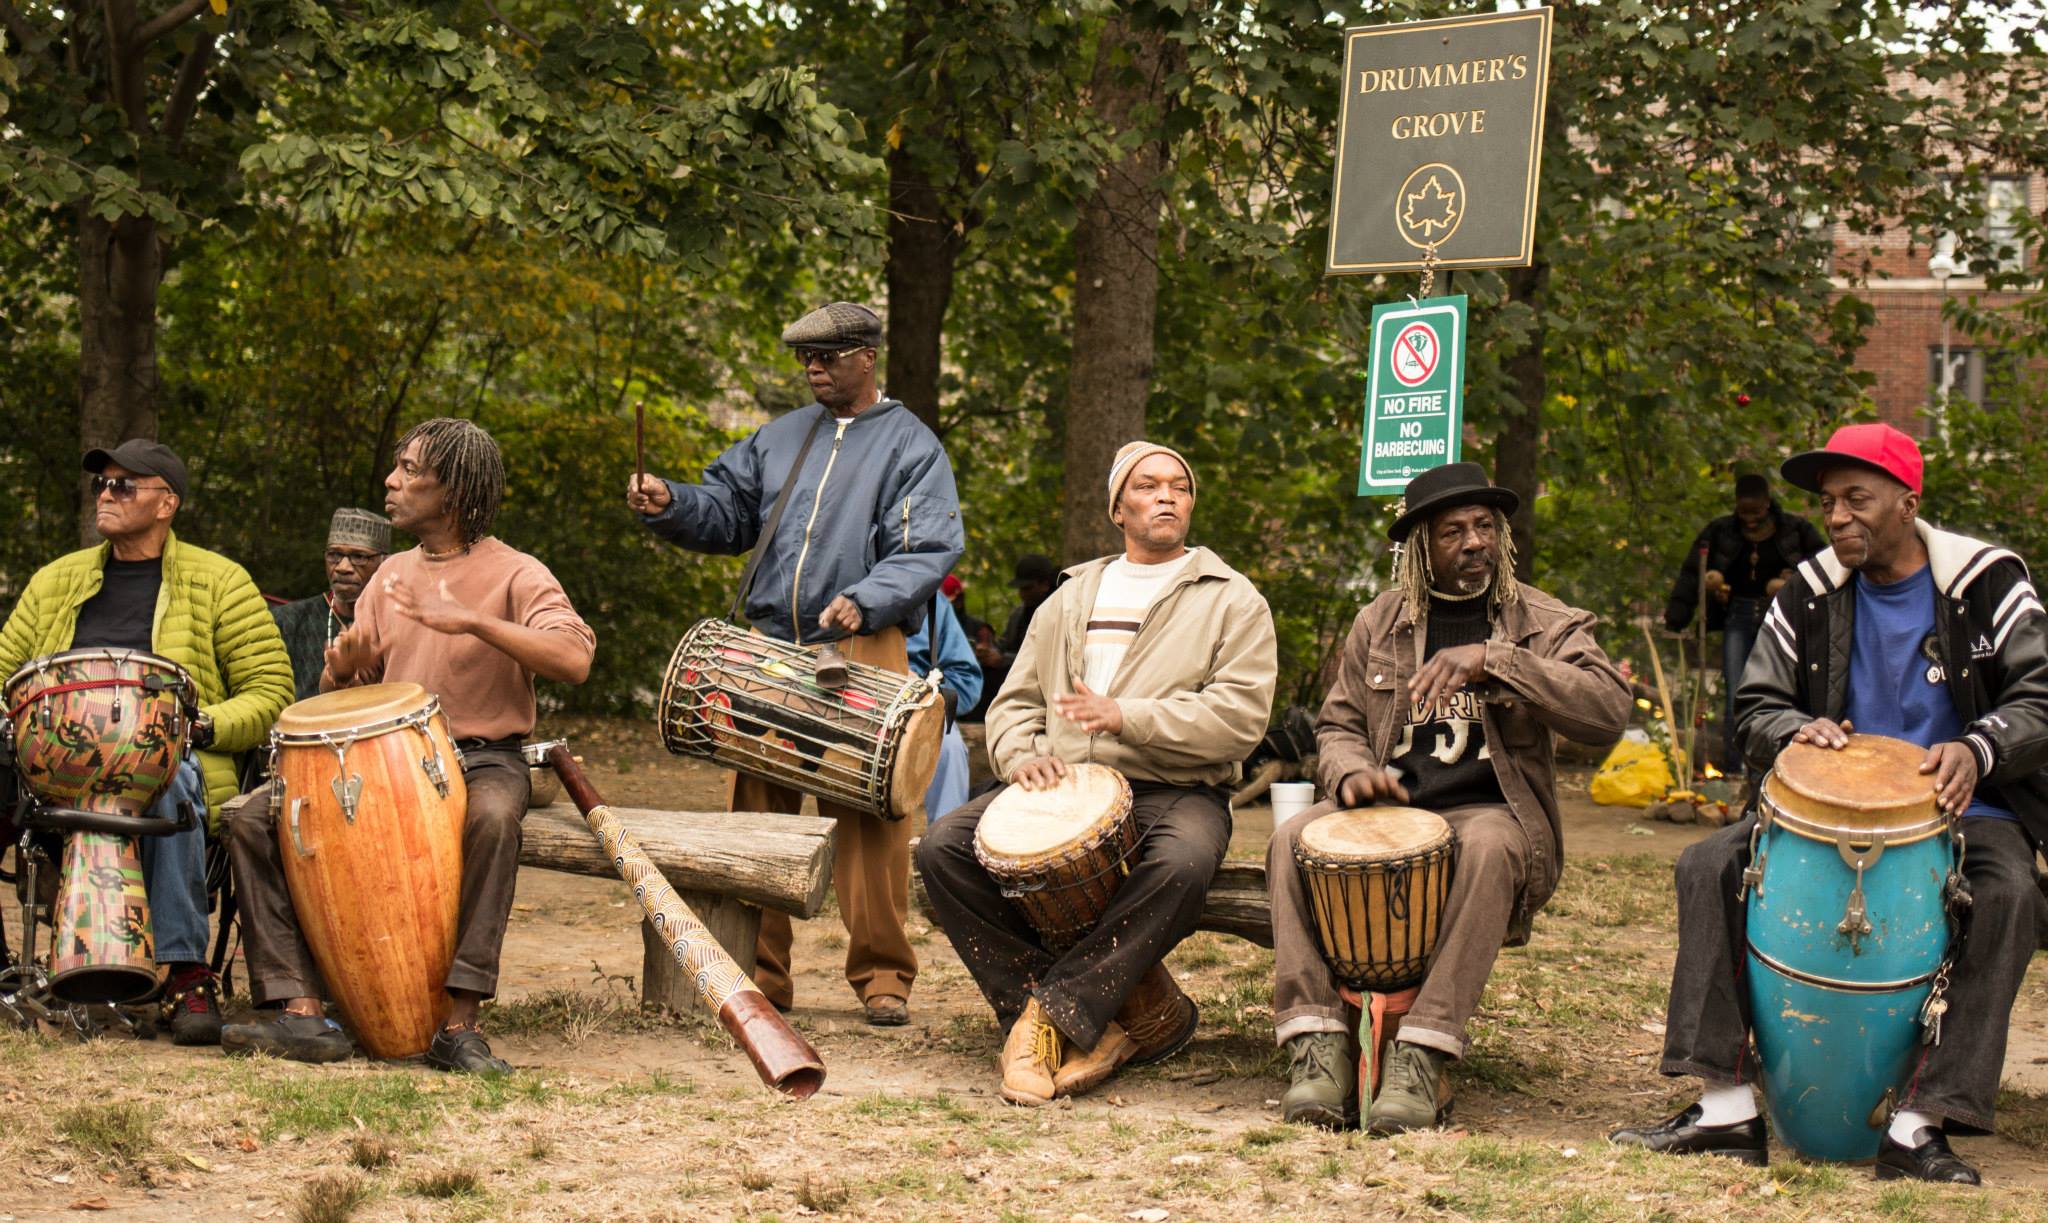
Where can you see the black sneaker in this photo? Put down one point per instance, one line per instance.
(191, 1006)
(465, 1050)
(300, 1038)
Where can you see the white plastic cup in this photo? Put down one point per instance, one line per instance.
(1291, 798)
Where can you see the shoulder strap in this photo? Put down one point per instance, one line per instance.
(739, 597)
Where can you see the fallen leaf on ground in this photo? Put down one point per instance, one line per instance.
(1151, 1214)
(198, 1163)
(103, 1204)
(248, 1144)
(1185, 1160)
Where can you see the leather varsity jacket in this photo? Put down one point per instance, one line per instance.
(1990, 646)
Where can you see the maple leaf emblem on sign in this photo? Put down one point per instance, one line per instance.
(1431, 212)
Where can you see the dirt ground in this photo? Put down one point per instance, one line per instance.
(615, 1114)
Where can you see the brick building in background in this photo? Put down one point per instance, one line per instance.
(1903, 346)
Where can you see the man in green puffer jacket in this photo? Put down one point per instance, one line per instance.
(143, 589)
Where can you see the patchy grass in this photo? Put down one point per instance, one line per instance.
(377, 1099)
(332, 1197)
(447, 1183)
(122, 1133)
(371, 1152)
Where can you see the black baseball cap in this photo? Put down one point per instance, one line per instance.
(144, 458)
(1034, 567)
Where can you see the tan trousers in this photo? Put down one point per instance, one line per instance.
(1492, 867)
(870, 871)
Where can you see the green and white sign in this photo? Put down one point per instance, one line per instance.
(1415, 393)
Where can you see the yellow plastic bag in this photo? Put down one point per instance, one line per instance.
(1633, 775)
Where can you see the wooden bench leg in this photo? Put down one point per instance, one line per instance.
(735, 924)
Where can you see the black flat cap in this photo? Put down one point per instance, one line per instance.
(836, 325)
(1034, 567)
(144, 458)
(1445, 488)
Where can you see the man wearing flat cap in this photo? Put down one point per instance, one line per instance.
(357, 542)
(1449, 691)
(1903, 630)
(866, 526)
(145, 589)
(1160, 663)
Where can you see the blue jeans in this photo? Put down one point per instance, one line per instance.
(1738, 638)
(174, 871)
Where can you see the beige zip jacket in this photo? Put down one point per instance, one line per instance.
(1196, 688)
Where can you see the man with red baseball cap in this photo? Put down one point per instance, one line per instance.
(1903, 630)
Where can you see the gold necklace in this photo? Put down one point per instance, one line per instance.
(458, 550)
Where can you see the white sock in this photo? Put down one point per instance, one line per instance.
(1906, 1123)
(1726, 1105)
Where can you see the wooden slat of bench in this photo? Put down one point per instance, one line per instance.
(1236, 903)
(763, 858)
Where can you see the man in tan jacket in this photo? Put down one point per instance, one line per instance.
(1160, 663)
(1449, 690)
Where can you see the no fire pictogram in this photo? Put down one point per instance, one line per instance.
(1415, 354)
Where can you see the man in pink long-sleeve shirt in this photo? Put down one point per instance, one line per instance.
(474, 621)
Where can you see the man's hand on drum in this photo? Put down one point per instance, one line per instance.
(436, 608)
(1825, 732)
(1445, 673)
(1954, 767)
(352, 653)
(1370, 784)
(841, 613)
(1039, 772)
(647, 494)
(1098, 715)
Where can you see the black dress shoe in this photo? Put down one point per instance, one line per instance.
(1930, 1161)
(1746, 1141)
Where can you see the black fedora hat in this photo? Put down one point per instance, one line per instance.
(1447, 487)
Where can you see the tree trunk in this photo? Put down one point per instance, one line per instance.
(1518, 449)
(924, 246)
(120, 266)
(1116, 286)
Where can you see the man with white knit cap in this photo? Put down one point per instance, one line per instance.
(1160, 663)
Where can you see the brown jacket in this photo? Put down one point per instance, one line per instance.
(1545, 675)
(1195, 690)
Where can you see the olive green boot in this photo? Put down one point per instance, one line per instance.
(1415, 1091)
(1323, 1075)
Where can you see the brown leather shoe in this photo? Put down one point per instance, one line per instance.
(1158, 1017)
(1084, 1072)
(885, 1011)
(1031, 1057)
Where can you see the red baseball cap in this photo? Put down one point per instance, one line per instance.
(950, 587)
(1876, 446)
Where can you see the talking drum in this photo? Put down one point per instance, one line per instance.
(752, 703)
(1377, 880)
(98, 735)
(1060, 853)
(369, 800)
(1850, 869)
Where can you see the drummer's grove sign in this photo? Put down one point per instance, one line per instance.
(1439, 143)
(1415, 394)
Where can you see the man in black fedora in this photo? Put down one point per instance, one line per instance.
(1462, 727)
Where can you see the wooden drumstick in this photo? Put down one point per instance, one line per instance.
(639, 442)
(782, 1057)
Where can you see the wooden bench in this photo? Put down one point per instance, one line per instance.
(1236, 903)
(726, 865)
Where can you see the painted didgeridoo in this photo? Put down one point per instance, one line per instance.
(782, 1057)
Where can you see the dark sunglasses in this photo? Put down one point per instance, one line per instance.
(124, 488)
(806, 357)
(352, 560)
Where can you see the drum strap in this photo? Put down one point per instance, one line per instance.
(78, 686)
(739, 597)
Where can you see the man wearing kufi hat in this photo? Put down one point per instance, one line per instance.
(871, 529)
(1449, 690)
(1159, 662)
(357, 542)
(1908, 631)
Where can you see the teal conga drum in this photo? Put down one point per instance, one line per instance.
(1848, 925)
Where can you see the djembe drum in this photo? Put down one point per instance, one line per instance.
(1378, 879)
(1060, 854)
(753, 704)
(98, 735)
(1851, 868)
(369, 799)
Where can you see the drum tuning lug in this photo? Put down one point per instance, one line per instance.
(1881, 1114)
(435, 772)
(346, 792)
(1752, 879)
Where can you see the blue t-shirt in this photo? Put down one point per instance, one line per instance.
(1896, 686)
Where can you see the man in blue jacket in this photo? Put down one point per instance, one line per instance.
(872, 526)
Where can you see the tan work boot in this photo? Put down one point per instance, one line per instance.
(1157, 1016)
(1084, 1072)
(1031, 1057)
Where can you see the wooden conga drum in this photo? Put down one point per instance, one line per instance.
(370, 801)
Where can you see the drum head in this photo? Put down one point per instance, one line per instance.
(1873, 781)
(349, 708)
(917, 758)
(1023, 824)
(1373, 834)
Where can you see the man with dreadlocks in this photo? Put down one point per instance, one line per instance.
(474, 621)
(1448, 692)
